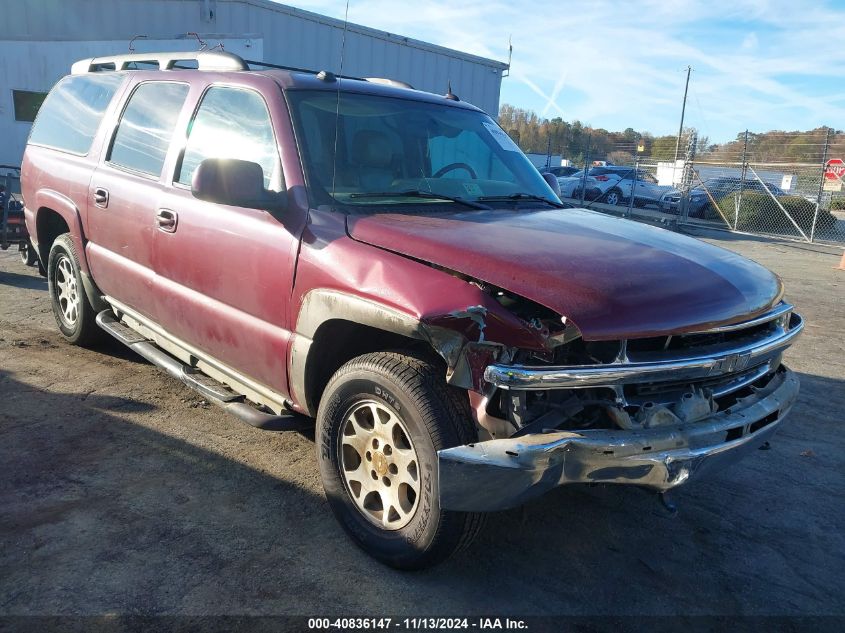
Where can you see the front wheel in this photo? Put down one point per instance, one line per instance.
(382, 419)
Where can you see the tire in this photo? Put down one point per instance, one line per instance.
(27, 254)
(74, 314)
(362, 467)
(614, 196)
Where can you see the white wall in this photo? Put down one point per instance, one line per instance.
(37, 65)
(41, 38)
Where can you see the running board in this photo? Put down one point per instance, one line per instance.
(210, 389)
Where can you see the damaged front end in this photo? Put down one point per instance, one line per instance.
(650, 412)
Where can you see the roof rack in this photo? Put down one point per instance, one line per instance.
(206, 60)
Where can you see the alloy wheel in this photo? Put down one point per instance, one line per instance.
(67, 292)
(379, 465)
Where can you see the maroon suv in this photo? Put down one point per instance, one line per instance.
(388, 262)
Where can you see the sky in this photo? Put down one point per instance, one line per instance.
(757, 64)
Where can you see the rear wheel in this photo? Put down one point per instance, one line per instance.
(27, 254)
(74, 314)
(382, 419)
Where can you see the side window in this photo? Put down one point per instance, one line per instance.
(146, 127)
(72, 112)
(232, 123)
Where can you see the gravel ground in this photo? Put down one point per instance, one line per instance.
(122, 492)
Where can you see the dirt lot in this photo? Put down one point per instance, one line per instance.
(122, 492)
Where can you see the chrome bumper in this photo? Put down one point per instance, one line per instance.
(731, 359)
(499, 474)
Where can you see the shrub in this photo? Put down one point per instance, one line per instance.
(838, 204)
(759, 213)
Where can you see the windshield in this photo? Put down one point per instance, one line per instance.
(393, 153)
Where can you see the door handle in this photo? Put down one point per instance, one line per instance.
(166, 220)
(101, 197)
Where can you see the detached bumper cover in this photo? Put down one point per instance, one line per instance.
(499, 474)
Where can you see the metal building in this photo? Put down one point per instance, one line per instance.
(41, 38)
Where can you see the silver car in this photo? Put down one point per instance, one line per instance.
(613, 185)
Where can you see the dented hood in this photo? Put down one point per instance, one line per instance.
(614, 278)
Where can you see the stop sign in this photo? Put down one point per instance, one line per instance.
(835, 169)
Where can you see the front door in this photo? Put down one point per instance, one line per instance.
(225, 274)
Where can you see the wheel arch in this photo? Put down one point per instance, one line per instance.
(56, 214)
(333, 327)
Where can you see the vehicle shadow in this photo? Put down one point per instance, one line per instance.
(104, 513)
(27, 282)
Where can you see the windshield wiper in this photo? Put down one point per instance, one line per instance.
(527, 196)
(417, 193)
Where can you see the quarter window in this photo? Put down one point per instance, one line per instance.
(147, 125)
(232, 123)
(72, 112)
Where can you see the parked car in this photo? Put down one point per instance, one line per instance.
(700, 203)
(645, 187)
(459, 357)
(560, 171)
(613, 184)
(572, 185)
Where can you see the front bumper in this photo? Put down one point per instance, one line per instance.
(504, 473)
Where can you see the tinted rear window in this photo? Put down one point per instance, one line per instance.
(72, 112)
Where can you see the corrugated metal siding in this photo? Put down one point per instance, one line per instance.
(291, 36)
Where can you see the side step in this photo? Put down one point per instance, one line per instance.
(211, 390)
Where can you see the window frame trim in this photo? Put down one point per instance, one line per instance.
(106, 160)
(171, 180)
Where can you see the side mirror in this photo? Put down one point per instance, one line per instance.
(239, 183)
(551, 180)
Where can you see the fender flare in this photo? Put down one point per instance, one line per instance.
(67, 209)
(321, 305)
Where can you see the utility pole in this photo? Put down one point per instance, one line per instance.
(683, 110)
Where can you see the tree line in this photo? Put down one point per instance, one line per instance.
(579, 142)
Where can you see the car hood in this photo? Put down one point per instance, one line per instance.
(614, 278)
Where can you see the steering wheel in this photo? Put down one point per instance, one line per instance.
(452, 166)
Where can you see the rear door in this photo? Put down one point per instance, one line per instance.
(124, 192)
(224, 273)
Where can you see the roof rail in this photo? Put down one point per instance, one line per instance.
(389, 82)
(206, 60)
(374, 80)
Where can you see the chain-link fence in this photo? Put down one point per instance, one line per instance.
(744, 186)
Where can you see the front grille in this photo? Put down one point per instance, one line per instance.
(647, 349)
(717, 355)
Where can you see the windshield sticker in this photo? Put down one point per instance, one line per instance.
(499, 134)
(472, 189)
